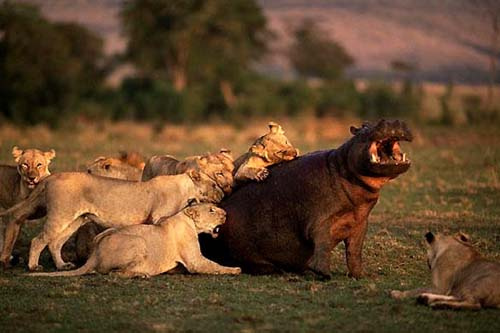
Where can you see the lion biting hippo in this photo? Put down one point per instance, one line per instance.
(292, 220)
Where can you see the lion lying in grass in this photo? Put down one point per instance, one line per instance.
(148, 250)
(461, 278)
(17, 182)
(267, 150)
(72, 199)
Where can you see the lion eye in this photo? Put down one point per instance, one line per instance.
(24, 165)
(39, 165)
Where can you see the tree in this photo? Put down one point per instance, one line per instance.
(41, 66)
(491, 10)
(189, 41)
(314, 54)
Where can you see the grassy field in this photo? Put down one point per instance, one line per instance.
(454, 184)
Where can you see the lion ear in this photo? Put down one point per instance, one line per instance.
(16, 152)
(49, 155)
(429, 237)
(463, 237)
(260, 151)
(227, 153)
(194, 175)
(202, 161)
(192, 213)
(275, 128)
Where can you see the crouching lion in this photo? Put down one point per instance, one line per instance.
(114, 168)
(18, 181)
(72, 199)
(148, 250)
(217, 166)
(267, 150)
(461, 278)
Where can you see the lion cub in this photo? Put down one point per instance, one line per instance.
(17, 182)
(461, 278)
(148, 250)
(267, 150)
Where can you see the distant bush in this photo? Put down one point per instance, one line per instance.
(337, 98)
(382, 100)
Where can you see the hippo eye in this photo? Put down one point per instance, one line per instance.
(212, 210)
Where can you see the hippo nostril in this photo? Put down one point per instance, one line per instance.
(89, 171)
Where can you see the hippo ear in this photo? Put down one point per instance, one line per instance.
(16, 152)
(463, 237)
(49, 155)
(429, 237)
(354, 130)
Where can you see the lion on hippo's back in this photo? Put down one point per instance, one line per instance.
(310, 204)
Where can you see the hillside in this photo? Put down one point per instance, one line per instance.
(447, 40)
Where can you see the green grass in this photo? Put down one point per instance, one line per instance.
(454, 184)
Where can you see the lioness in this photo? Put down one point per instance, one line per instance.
(17, 182)
(461, 278)
(148, 250)
(267, 150)
(72, 199)
(217, 166)
(114, 168)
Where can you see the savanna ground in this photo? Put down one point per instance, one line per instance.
(454, 184)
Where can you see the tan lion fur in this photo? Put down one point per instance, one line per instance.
(217, 166)
(114, 168)
(148, 250)
(72, 199)
(17, 182)
(271, 148)
(461, 278)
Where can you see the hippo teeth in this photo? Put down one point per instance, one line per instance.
(404, 157)
(374, 158)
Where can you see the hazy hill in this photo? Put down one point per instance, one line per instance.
(446, 39)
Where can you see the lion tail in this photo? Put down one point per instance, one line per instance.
(87, 268)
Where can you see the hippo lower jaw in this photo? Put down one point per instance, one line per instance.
(387, 158)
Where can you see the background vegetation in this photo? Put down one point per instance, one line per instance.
(196, 86)
(195, 61)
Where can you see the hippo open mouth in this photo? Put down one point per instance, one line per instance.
(384, 153)
(388, 151)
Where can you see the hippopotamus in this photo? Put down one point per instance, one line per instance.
(293, 219)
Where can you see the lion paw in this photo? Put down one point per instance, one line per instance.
(67, 266)
(261, 174)
(37, 268)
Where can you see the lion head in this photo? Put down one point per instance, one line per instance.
(274, 147)
(33, 164)
(206, 217)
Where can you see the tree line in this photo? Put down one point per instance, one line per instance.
(194, 60)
